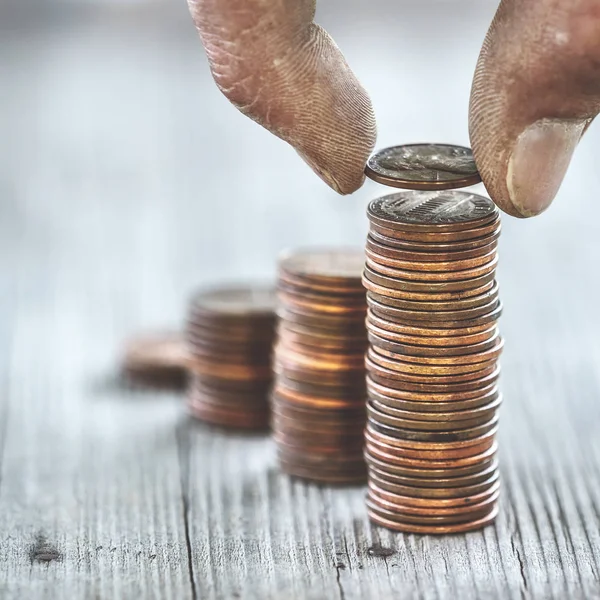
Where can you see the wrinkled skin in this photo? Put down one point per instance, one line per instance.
(535, 92)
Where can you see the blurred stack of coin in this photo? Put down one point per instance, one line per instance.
(432, 361)
(156, 360)
(319, 395)
(230, 333)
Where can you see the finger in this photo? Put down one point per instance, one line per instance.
(279, 68)
(535, 92)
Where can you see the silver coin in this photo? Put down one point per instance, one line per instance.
(424, 167)
(441, 210)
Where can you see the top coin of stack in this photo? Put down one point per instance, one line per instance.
(432, 362)
(229, 334)
(319, 395)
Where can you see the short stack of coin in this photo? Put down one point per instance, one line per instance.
(432, 361)
(230, 334)
(319, 395)
(156, 360)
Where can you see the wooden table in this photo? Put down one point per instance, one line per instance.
(126, 181)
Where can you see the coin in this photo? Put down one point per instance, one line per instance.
(430, 473)
(434, 529)
(423, 238)
(383, 286)
(432, 362)
(439, 247)
(444, 414)
(424, 351)
(234, 302)
(491, 353)
(435, 410)
(434, 276)
(156, 359)
(429, 287)
(432, 211)
(319, 396)
(388, 247)
(423, 167)
(486, 472)
(229, 334)
(428, 265)
(326, 266)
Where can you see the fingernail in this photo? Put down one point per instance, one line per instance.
(539, 162)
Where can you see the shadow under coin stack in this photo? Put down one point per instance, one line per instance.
(230, 334)
(319, 395)
(432, 361)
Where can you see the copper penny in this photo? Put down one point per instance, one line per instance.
(434, 529)
(398, 455)
(303, 305)
(225, 418)
(317, 451)
(436, 411)
(318, 361)
(421, 466)
(301, 391)
(430, 508)
(234, 303)
(342, 289)
(337, 478)
(388, 287)
(488, 472)
(378, 423)
(428, 287)
(306, 401)
(427, 167)
(443, 237)
(425, 374)
(430, 266)
(400, 381)
(434, 276)
(477, 357)
(157, 359)
(428, 334)
(434, 498)
(473, 316)
(323, 323)
(433, 351)
(237, 372)
(382, 436)
(450, 415)
(377, 246)
(434, 247)
(325, 266)
(432, 474)
(485, 486)
(453, 304)
(330, 343)
(429, 397)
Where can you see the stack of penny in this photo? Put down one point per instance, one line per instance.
(432, 361)
(229, 334)
(156, 360)
(319, 395)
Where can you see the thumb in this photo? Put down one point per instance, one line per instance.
(280, 69)
(535, 92)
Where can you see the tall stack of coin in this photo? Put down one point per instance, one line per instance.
(230, 333)
(432, 361)
(320, 394)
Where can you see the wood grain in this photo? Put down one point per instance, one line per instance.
(127, 181)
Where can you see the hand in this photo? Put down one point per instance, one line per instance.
(535, 92)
